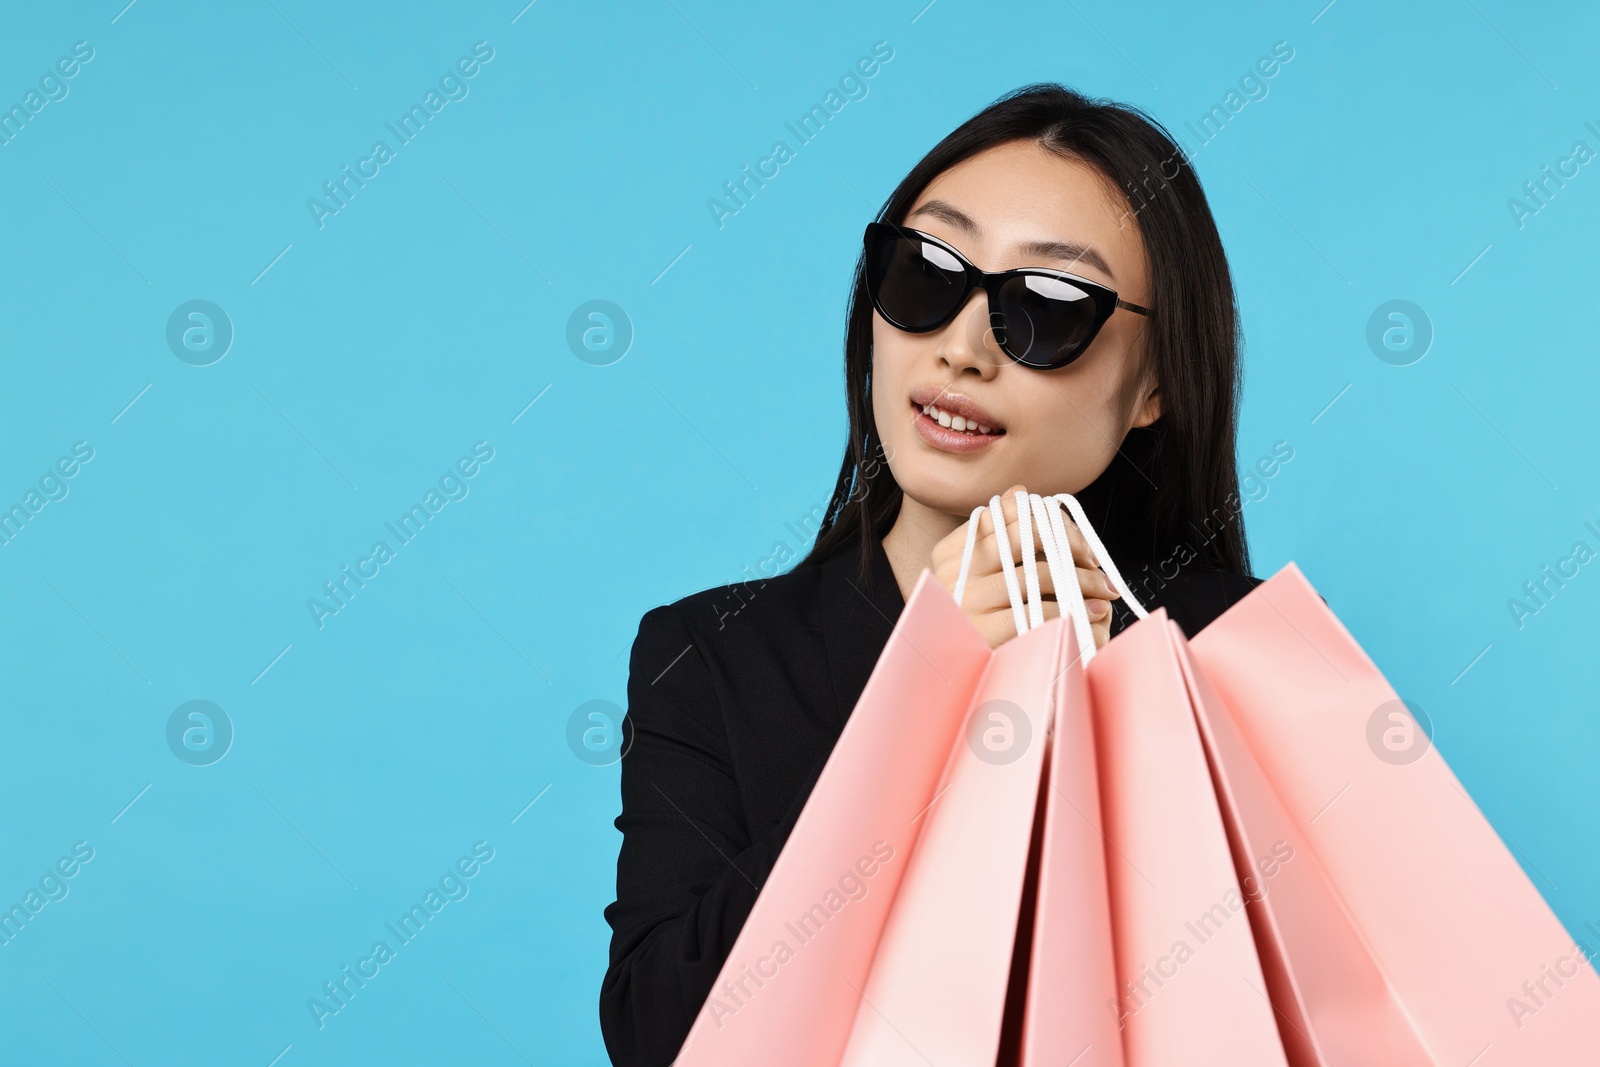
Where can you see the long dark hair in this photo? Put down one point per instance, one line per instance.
(1171, 493)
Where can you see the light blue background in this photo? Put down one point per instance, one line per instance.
(428, 313)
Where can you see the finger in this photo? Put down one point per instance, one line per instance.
(1050, 609)
(1099, 617)
(1101, 631)
(986, 552)
(1008, 504)
(1004, 623)
(1084, 557)
(1099, 610)
(987, 559)
(988, 543)
(1081, 553)
(989, 592)
(1008, 501)
(1092, 582)
(1008, 508)
(947, 552)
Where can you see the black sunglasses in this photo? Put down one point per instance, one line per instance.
(1041, 318)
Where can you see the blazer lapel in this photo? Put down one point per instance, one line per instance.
(857, 619)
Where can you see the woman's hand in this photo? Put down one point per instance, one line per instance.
(986, 601)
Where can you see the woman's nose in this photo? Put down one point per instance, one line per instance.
(967, 343)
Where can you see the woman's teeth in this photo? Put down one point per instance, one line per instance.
(953, 422)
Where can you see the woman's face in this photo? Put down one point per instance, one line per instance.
(1052, 431)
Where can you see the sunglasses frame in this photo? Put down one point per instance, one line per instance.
(1105, 299)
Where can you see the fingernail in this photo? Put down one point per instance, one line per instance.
(1098, 608)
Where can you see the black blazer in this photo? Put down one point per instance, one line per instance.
(735, 698)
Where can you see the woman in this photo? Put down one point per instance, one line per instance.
(1111, 373)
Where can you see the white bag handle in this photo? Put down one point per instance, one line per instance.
(1035, 512)
(974, 521)
(1101, 556)
(1030, 559)
(1018, 614)
(1058, 556)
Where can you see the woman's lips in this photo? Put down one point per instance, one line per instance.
(947, 438)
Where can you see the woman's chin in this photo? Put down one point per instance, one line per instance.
(956, 495)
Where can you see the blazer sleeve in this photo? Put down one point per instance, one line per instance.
(689, 868)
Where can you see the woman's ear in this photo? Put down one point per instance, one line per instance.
(1149, 408)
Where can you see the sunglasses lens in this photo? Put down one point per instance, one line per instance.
(1047, 321)
(916, 284)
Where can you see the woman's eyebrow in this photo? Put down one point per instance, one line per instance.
(1070, 251)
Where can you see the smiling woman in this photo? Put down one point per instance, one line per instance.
(1014, 323)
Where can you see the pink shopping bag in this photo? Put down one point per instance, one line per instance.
(1071, 971)
(937, 989)
(788, 992)
(999, 943)
(1333, 1003)
(1190, 988)
(1479, 964)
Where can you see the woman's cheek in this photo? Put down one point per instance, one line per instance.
(1069, 444)
(891, 409)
